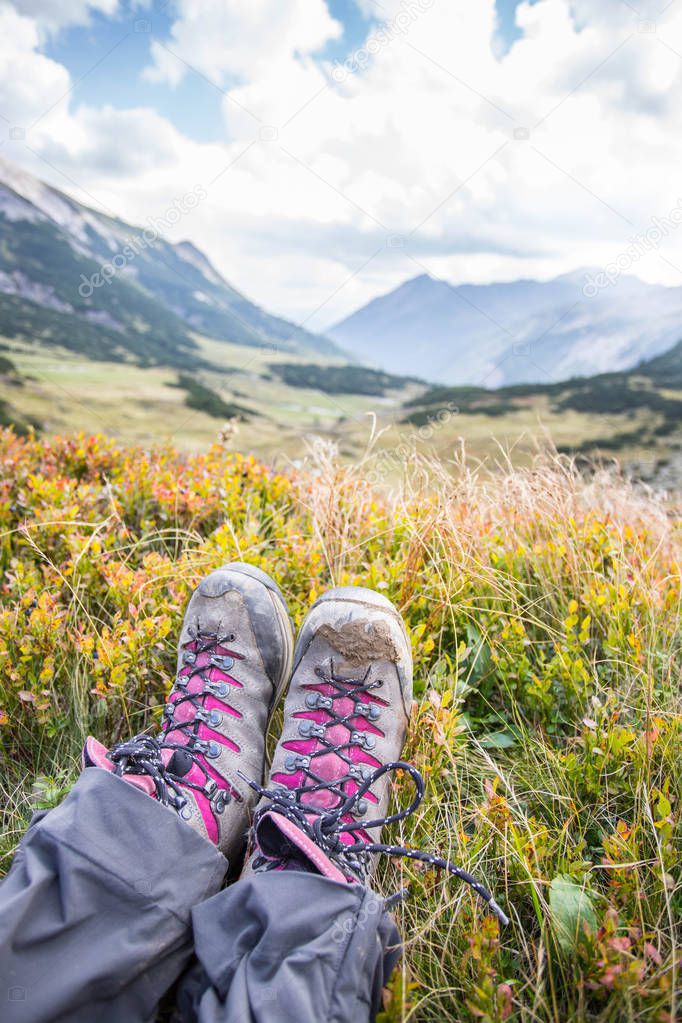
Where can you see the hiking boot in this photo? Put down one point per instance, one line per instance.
(345, 722)
(234, 659)
(345, 717)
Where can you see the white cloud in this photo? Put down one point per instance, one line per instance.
(228, 39)
(55, 14)
(108, 144)
(417, 154)
(29, 81)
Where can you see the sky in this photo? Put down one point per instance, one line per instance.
(345, 146)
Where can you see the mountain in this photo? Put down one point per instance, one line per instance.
(75, 277)
(525, 331)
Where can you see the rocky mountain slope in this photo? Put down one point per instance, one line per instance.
(74, 277)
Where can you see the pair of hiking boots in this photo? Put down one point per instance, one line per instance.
(345, 720)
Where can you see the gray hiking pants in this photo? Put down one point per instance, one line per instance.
(111, 898)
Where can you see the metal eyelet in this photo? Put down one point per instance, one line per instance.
(189, 657)
(219, 798)
(367, 710)
(210, 749)
(214, 718)
(308, 729)
(292, 762)
(216, 797)
(362, 739)
(221, 661)
(315, 701)
(360, 808)
(185, 812)
(217, 688)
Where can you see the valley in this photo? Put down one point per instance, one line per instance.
(62, 392)
(266, 414)
(108, 327)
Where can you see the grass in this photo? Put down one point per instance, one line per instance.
(544, 610)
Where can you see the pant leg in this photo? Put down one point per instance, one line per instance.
(95, 913)
(289, 947)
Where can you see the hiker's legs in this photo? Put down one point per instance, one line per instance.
(96, 919)
(289, 947)
(301, 938)
(95, 913)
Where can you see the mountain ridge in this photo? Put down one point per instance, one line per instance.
(505, 333)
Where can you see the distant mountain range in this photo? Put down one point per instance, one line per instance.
(109, 290)
(526, 331)
(74, 277)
